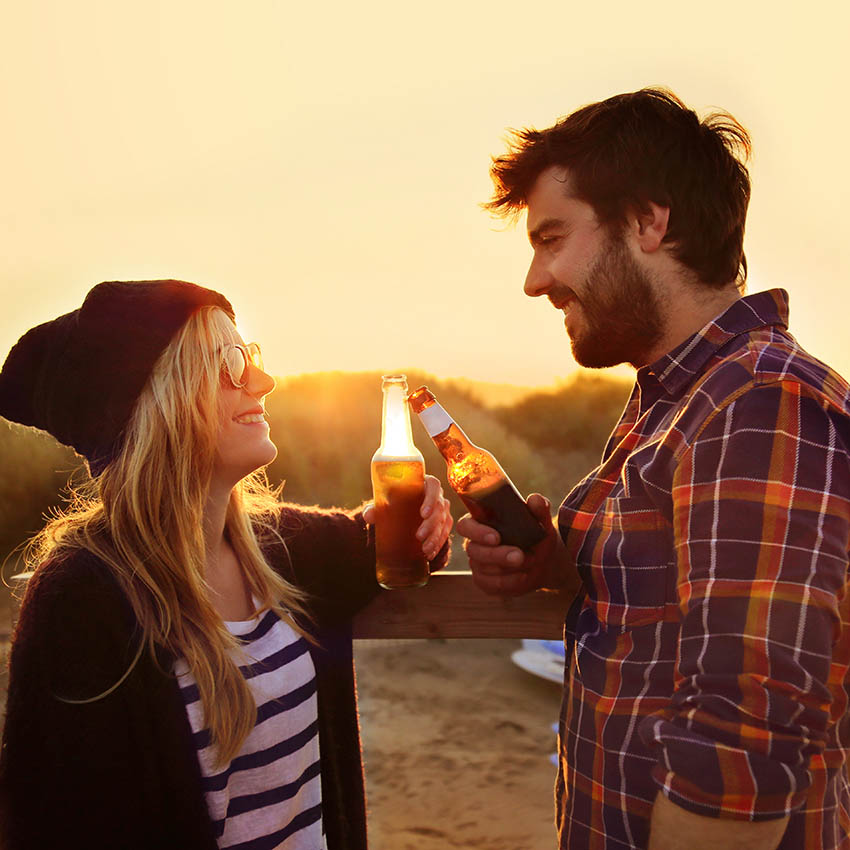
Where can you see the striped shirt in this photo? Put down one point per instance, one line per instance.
(269, 796)
(711, 651)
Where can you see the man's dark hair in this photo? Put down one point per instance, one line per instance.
(645, 146)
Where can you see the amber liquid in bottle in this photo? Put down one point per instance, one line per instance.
(476, 476)
(398, 486)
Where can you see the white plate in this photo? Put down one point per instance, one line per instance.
(543, 664)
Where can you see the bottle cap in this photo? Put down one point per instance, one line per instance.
(420, 398)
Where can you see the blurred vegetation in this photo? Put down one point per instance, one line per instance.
(567, 428)
(34, 470)
(328, 425)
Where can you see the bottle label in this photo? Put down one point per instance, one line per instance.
(435, 420)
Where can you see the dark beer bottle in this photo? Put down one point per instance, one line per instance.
(398, 484)
(476, 476)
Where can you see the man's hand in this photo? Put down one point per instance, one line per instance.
(675, 828)
(436, 518)
(507, 570)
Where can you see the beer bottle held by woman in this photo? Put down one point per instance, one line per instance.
(476, 476)
(398, 485)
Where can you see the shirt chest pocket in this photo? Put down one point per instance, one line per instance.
(626, 558)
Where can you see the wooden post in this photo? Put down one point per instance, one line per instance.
(451, 606)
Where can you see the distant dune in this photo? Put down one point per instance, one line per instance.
(496, 395)
(486, 393)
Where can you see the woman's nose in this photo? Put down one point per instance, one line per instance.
(260, 383)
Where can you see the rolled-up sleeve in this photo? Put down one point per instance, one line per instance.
(761, 515)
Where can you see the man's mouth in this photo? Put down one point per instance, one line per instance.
(563, 300)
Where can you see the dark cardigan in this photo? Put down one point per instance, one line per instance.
(122, 772)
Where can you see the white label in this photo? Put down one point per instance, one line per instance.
(435, 419)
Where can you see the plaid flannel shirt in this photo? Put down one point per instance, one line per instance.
(711, 650)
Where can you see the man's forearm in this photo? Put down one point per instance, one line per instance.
(675, 828)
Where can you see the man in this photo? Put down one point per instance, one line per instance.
(706, 702)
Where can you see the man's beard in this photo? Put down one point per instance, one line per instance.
(622, 319)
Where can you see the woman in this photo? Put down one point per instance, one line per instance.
(181, 672)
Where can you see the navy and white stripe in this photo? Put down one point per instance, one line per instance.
(269, 796)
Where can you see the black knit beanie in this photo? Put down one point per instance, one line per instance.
(78, 377)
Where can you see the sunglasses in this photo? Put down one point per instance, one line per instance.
(236, 360)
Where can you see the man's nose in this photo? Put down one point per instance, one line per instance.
(538, 280)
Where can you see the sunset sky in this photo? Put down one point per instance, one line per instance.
(323, 164)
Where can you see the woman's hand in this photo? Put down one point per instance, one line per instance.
(436, 518)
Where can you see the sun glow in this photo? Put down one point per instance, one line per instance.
(326, 176)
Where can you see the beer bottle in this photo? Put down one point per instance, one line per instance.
(398, 485)
(476, 476)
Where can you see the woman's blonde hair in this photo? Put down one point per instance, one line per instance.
(144, 517)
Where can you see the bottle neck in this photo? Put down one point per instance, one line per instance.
(435, 419)
(396, 433)
(447, 435)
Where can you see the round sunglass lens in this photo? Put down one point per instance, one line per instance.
(256, 355)
(236, 366)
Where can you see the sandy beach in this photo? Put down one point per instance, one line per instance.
(456, 742)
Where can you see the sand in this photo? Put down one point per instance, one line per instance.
(456, 742)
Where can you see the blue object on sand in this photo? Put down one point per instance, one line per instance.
(544, 658)
(554, 646)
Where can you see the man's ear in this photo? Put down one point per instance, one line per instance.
(649, 226)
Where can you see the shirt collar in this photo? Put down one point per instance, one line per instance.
(677, 368)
